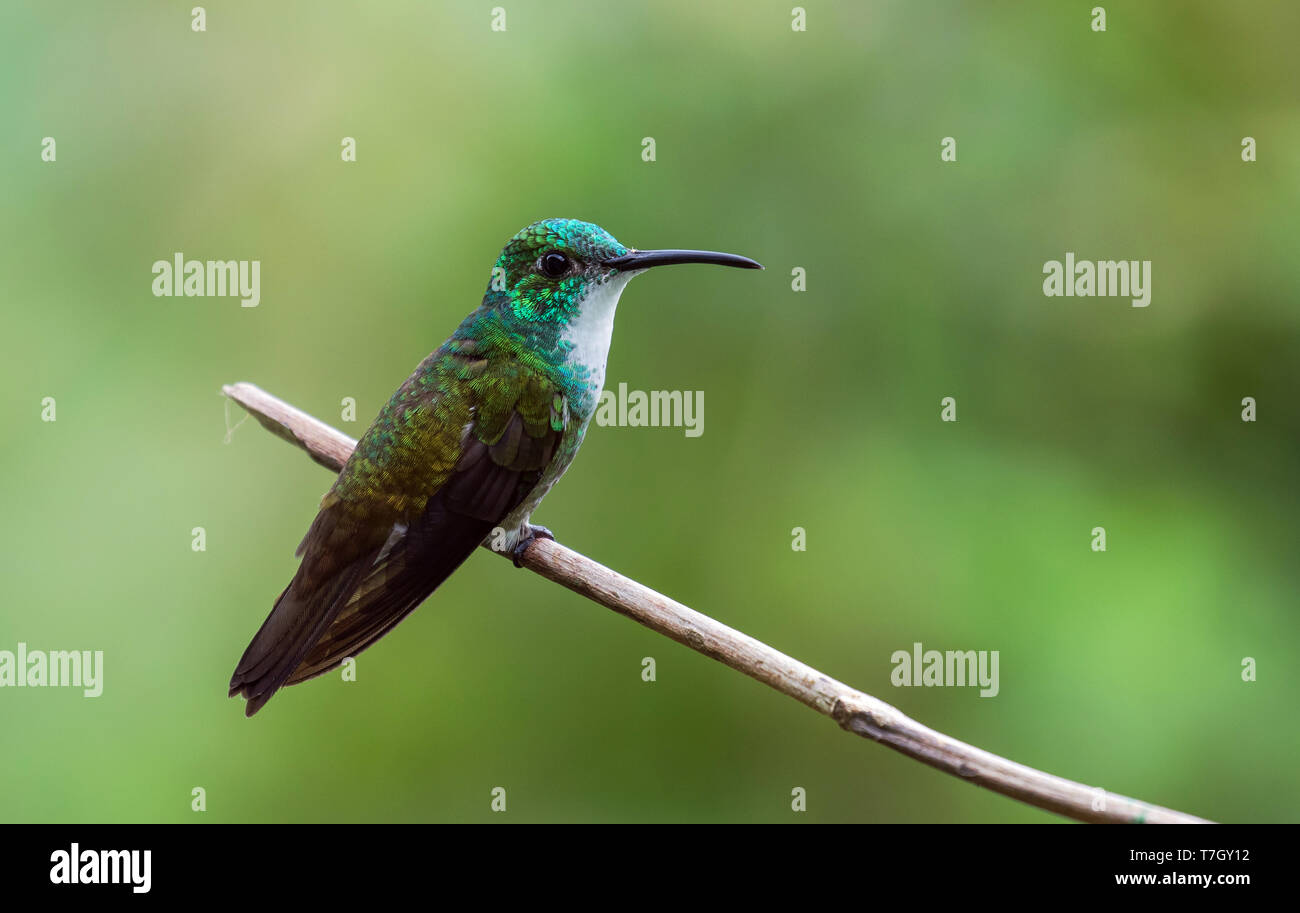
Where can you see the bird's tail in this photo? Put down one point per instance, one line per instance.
(295, 624)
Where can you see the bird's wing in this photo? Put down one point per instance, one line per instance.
(409, 507)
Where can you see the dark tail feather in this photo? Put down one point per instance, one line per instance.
(294, 626)
(416, 565)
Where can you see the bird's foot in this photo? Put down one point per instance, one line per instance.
(534, 533)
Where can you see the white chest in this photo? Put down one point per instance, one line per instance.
(590, 331)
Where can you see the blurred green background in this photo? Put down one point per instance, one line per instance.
(818, 150)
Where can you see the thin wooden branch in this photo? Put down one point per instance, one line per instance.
(853, 710)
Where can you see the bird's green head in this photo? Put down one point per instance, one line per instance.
(553, 294)
(549, 270)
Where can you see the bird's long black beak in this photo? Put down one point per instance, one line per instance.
(644, 259)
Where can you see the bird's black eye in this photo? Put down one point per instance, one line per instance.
(554, 264)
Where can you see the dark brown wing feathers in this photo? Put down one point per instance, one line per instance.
(354, 585)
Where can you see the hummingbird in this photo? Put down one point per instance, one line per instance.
(461, 455)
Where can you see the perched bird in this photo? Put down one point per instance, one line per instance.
(469, 444)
